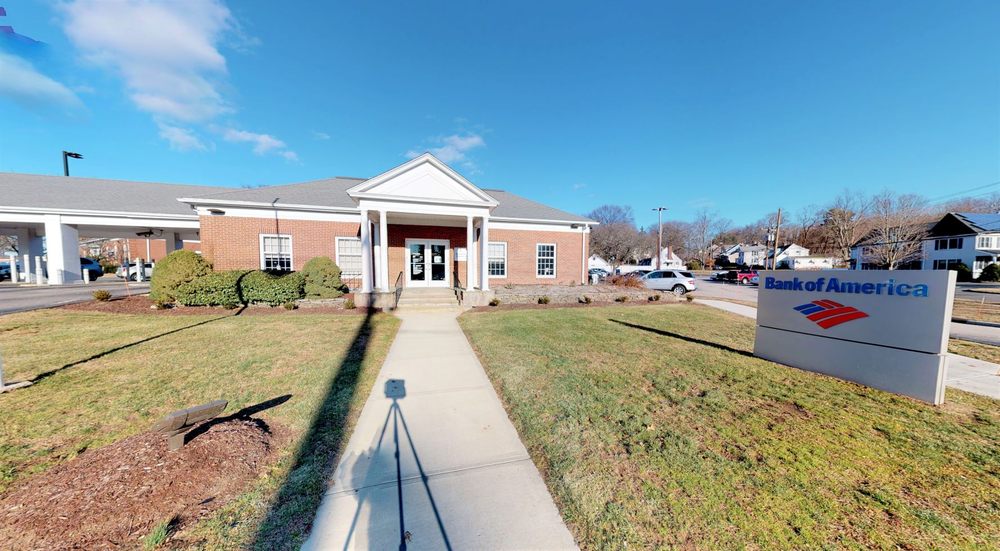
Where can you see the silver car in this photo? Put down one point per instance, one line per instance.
(133, 271)
(675, 281)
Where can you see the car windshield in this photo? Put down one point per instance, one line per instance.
(687, 275)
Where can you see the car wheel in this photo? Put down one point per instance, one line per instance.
(679, 290)
(133, 277)
(744, 281)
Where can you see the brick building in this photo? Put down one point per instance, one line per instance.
(420, 224)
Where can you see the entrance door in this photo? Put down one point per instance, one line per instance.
(427, 263)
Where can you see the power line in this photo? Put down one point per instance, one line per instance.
(957, 194)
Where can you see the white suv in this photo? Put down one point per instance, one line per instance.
(675, 281)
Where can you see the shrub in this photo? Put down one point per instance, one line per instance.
(585, 300)
(625, 281)
(102, 295)
(322, 278)
(964, 273)
(689, 297)
(274, 289)
(695, 264)
(543, 300)
(990, 273)
(109, 267)
(349, 304)
(495, 302)
(176, 269)
(213, 289)
(162, 304)
(622, 298)
(654, 298)
(290, 306)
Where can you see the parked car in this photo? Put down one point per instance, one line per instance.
(746, 277)
(719, 276)
(676, 282)
(133, 271)
(755, 280)
(601, 273)
(91, 266)
(634, 273)
(4, 271)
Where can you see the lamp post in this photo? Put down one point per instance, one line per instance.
(66, 157)
(659, 237)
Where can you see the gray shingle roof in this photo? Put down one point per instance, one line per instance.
(328, 192)
(92, 194)
(515, 206)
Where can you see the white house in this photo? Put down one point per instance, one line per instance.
(668, 259)
(811, 262)
(751, 255)
(957, 238)
(788, 252)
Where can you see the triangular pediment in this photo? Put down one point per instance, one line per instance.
(425, 178)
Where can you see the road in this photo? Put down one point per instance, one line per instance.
(967, 291)
(20, 298)
(748, 293)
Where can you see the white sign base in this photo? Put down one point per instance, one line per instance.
(916, 374)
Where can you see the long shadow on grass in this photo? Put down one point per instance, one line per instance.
(292, 510)
(46, 374)
(686, 338)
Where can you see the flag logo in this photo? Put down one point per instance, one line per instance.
(827, 313)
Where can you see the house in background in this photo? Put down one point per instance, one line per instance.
(785, 253)
(972, 239)
(751, 255)
(811, 263)
(728, 254)
(668, 259)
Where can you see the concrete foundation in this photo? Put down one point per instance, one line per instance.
(475, 297)
(375, 299)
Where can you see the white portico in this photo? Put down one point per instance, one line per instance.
(423, 192)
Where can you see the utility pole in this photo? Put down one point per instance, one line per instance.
(659, 237)
(66, 157)
(777, 241)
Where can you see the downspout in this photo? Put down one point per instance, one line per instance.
(583, 255)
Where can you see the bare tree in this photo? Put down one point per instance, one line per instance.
(844, 223)
(899, 225)
(8, 243)
(616, 239)
(706, 226)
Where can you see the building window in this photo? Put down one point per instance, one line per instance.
(497, 259)
(950, 264)
(349, 257)
(950, 243)
(276, 252)
(984, 242)
(982, 262)
(545, 260)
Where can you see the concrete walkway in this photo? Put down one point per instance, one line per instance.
(434, 460)
(963, 373)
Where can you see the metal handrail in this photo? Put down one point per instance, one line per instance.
(398, 289)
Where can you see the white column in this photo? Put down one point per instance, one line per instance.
(39, 271)
(470, 255)
(366, 253)
(376, 258)
(26, 266)
(383, 254)
(14, 275)
(484, 248)
(62, 245)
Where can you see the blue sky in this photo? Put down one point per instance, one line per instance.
(741, 107)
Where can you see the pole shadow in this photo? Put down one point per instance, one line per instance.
(246, 414)
(46, 374)
(684, 338)
(395, 389)
(290, 515)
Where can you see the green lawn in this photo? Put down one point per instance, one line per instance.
(684, 439)
(102, 377)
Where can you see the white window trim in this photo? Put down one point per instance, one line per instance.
(291, 248)
(506, 268)
(555, 263)
(336, 250)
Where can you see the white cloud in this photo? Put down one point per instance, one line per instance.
(166, 52)
(320, 135)
(453, 149)
(25, 85)
(168, 55)
(262, 143)
(578, 187)
(181, 139)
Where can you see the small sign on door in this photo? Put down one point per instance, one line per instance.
(461, 254)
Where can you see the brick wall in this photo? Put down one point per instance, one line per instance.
(521, 256)
(233, 242)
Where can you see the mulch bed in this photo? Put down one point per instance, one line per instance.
(114, 496)
(142, 304)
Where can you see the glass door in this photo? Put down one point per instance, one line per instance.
(427, 263)
(418, 272)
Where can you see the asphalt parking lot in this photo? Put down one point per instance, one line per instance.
(20, 298)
